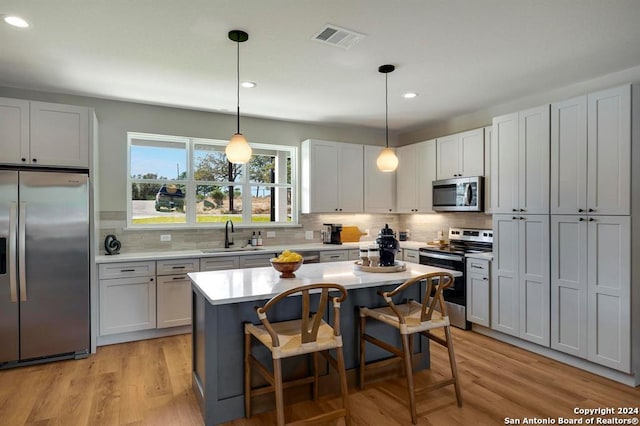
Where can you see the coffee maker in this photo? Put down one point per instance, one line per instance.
(331, 233)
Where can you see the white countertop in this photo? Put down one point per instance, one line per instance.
(242, 285)
(181, 254)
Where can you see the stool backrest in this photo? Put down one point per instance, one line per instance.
(436, 282)
(311, 318)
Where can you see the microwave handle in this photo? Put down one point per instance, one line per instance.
(467, 195)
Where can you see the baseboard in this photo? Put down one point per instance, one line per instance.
(113, 339)
(626, 379)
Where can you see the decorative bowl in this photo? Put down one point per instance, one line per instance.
(286, 269)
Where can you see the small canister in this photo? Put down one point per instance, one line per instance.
(374, 255)
(364, 255)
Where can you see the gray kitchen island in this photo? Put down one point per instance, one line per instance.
(224, 300)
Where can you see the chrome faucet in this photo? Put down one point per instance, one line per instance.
(228, 243)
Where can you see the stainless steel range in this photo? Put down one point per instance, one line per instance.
(452, 256)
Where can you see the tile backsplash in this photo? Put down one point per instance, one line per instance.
(421, 227)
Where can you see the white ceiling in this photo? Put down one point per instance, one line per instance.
(459, 55)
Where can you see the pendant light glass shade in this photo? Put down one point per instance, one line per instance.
(387, 160)
(238, 150)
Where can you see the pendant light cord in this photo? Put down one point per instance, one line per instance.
(386, 107)
(238, 82)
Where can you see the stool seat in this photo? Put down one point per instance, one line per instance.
(412, 312)
(290, 339)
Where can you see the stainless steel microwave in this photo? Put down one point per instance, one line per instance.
(464, 194)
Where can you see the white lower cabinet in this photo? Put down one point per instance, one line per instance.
(127, 297)
(174, 292)
(591, 288)
(478, 292)
(334, 256)
(409, 255)
(520, 279)
(256, 260)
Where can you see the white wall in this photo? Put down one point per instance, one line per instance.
(483, 117)
(116, 118)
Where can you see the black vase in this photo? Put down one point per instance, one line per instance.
(388, 246)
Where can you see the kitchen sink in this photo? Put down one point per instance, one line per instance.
(232, 249)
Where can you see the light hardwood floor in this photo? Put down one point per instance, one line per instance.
(149, 383)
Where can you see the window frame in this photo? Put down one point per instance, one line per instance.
(190, 184)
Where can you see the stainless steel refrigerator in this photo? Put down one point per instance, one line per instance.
(44, 266)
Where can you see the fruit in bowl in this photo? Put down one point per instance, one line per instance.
(287, 263)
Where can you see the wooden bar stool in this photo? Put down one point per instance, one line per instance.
(410, 318)
(308, 335)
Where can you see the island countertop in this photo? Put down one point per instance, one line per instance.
(243, 285)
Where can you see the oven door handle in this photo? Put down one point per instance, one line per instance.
(443, 256)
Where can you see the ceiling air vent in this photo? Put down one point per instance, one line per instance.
(337, 36)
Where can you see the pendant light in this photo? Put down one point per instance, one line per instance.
(238, 150)
(387, 160)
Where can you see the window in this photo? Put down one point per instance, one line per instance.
(177, 181)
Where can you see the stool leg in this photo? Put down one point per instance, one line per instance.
(363, 321)
(452, 361)
(343, 384)
(247, 375)
(408, 369)
(316, 376)
(277, 377)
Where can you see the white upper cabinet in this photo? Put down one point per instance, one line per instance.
(332, 177)
(460, 155)
(487, 169)
(609, 151)
(416, 172)
(14, 131)
(520, 162)
(591, 153)
(44, 134)
(569, 156)
(379, 187)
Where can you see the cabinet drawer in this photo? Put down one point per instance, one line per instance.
(177, 266)
(411, 256)
(334, 256)
(256, 260)
(477, 266)
(354, 254)
(127, 269)
(219, 263)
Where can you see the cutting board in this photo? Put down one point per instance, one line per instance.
(351, 234)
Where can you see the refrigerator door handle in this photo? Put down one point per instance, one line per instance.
(22, 231)
(13, 213)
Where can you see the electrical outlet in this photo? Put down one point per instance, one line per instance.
(271, 234)
(165, 237)
(308, 235)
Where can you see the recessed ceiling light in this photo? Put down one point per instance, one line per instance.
(409, 95)
(16, 21)
(248, 84)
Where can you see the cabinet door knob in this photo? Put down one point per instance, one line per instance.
(514, 218)
(485, 279)
(591, 210)
(24, 159)
(580, 210)
(581, 219)
(591, 219)
(522, 218)
(35, 160)
(522, 210)
(515, 210)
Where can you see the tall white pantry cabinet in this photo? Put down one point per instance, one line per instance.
(563, 260)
